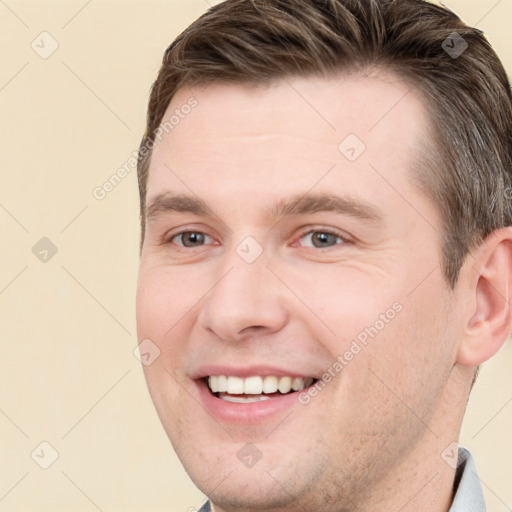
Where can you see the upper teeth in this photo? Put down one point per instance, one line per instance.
(256, 385)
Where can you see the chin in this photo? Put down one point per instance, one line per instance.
(244, 489)
(239, 475)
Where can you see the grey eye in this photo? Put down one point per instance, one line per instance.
(321, 239)
(191, 239)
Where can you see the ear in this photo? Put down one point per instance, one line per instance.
(490, 286)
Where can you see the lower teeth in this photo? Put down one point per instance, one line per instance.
(237, 399)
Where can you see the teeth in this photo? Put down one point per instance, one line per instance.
(244, 399)
(256, 385)
(222, 383)
(297, 384)
(253, 386)
(270, 384)
(213, 384)
(235, 386)
(285, 384)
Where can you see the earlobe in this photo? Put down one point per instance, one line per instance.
(490, 323)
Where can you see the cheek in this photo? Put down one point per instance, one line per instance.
(397, 350)
(410, 359)
(351, 304)
(151, 302)
(165, 302)
(161, 311)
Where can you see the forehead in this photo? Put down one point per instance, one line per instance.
(283, 136)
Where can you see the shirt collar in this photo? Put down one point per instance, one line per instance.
(468, 490)
(205, 507)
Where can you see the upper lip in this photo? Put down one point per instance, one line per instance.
(248, 371)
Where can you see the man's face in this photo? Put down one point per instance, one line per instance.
(310, 249)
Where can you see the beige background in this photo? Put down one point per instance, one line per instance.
(68, 375)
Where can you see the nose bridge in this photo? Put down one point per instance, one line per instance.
(244, 298)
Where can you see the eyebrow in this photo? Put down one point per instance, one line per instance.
(179, 203)
(296, 205)
(314, 203)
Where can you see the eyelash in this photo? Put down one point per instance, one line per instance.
(327, 231)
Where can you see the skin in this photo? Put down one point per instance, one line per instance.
(373, 437)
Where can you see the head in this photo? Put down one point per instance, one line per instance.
(353, 120)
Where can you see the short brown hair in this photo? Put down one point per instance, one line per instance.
(468, 172)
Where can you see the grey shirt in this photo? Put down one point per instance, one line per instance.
(468, 491)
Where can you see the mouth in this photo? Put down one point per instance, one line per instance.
(255, 388)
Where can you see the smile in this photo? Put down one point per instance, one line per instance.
(255, 388)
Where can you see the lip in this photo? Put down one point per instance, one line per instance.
(244, 414)
(248, 371)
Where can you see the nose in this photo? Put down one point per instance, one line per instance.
(246, 300)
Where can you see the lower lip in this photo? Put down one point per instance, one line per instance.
(244, 414)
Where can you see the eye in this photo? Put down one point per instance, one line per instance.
(321, 239)
(191, 239)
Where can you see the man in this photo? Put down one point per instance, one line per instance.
(326, 251)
